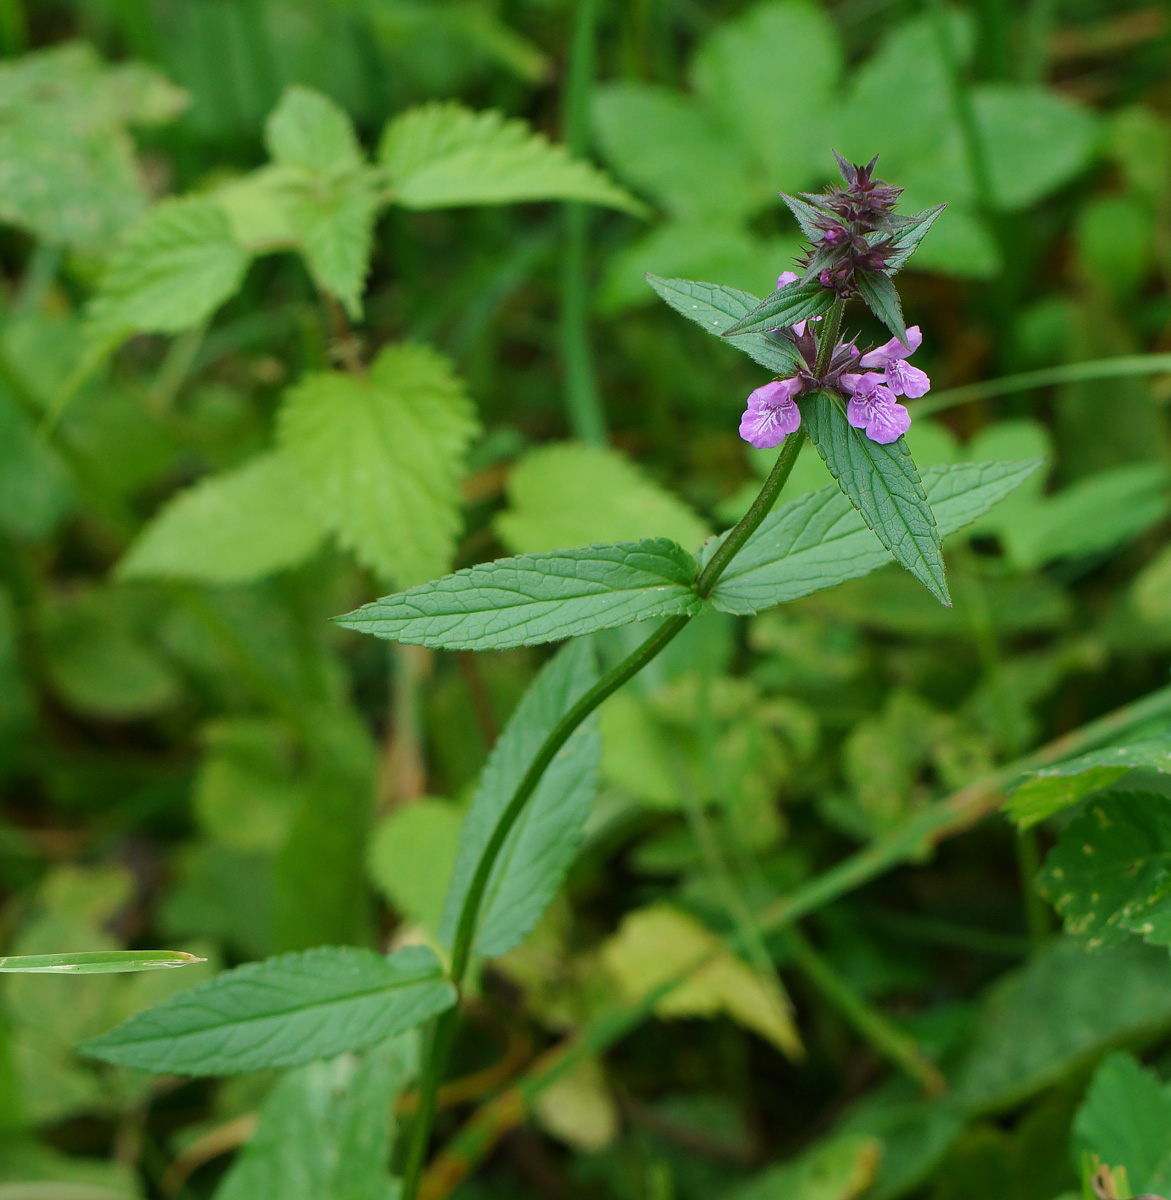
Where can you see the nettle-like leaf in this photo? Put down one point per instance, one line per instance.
(1110, 873)
(442, 155)
(909, 232)
(282, 1013)
(380, 458)
(785, 307)
(538, 598)
(231, 528)
(324, 1133)
(542, 844)
(884, 486)
(821, 540)
(717, 309)
(170, 272)
(1051, 789)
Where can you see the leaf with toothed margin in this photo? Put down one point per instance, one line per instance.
(282, 1012)
(535, 598)
(806, 216)
(785, 307)
(882, 298)
(716, 308)
(1110, 873)
(909, 232)
(884, 486)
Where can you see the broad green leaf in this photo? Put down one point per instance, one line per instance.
(282, 1013)
(668, 148)
(1110, 873)
(380, 458)
(442, 155)
(1061, 1010)
(538, 598)
(821, 540)
(1125, 1120)
(70, 175)
(542, 843)
(882, 298)
(327, 192)
(1051, 789)
(231, 528)
(658, 943)
(98, 962)
(411, 857)
(883, 485)
(717, 309)
(779, 115)
(324, 1133)
(570, 494)
(784, 307)
(170, 272)
(841, 1167)
(36, 490)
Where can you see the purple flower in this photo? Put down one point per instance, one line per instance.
(771, 414)
(901, 378)
(873, 408)
(785, 278)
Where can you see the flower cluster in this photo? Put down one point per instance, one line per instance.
(869, 381)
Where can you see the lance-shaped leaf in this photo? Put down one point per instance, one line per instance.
(1110, 873)
(98, 962)
(807, 216)
(909, 232)
(821, 540)
(882, 298)
(884, 486)
(716, 309)
(785, 307)
(281, 1013)
(538, 597)
(542, 843)
(1051, 789)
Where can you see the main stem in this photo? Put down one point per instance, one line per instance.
(443, 1032)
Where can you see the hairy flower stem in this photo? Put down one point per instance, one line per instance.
(443, 1031)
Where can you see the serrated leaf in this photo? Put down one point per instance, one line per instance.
(538, 598)
(716, 309)
(882, 298)
(170, 272)
(1051, 789)
(282, 1013)
(806, 216)
(324, 1132)
(910, 231)
(786, 306)
(544, 840)
(821, 540)
(1110, 872)
(310, 131)
(98, 962)
(381, 457)
(231, 528)
(884, 486)
(442, 155)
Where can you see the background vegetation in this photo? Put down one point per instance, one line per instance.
(191, 755)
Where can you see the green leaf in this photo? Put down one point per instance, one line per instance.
(412, 855)
(99, 962)
(282, 1013)
(538, 598)
(380, 458)
(231, 528)
(883, 485)
(717, 308)
(170, 272)
(1051, 789)
(1061, 1010)
(882, 298)
(442, 155)
(1125, 1120)
(1110, 872)
(821, 540)
(910, 232)
(323, 1132)
(542, 844)
(841, 1167)
(786, 306)
(310, 131)
(36, 490)
(570, 494)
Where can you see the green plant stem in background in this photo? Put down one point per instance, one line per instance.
(1028, 853)
(586, 415)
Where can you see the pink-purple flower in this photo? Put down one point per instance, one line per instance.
(771, 414)
(873, 408)
(901, 377)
